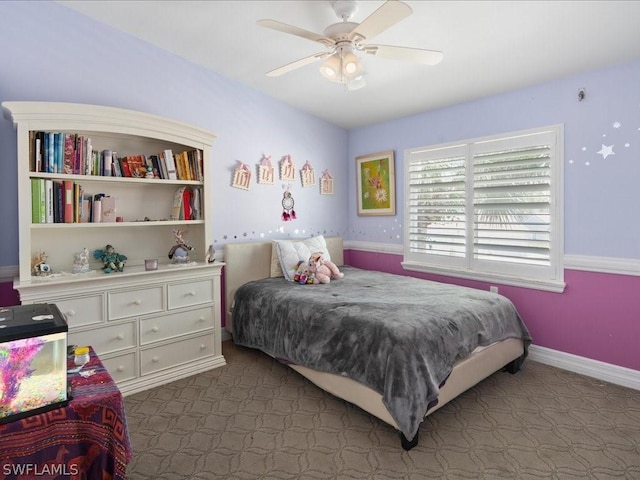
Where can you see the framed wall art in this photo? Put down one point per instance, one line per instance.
(376, 184)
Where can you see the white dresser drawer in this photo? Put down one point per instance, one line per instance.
(175, 324)
(122, 367)
(80, 311)
(166, 356)
(132, 303)
(106, 339)
(191, 293)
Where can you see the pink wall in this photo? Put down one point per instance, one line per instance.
(8, 296)
(597, 316)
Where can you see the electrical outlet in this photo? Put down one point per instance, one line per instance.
(493, 289)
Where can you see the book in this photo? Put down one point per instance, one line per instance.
(196, 204)
(124, 167)
(117, 171)
(58, 204)
(107, 160)
(68, 193)
(155, 163)
(78, 193)
(69, 153)
(58, 152)
(49, 200)
(171, 165)
(50, 142)
(38, 209)
(186, 204)
(108, 209)
(177, 204)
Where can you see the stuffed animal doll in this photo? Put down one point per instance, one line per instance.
(323, 270)
(303, 276)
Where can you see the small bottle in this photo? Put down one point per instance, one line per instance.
(81, 356)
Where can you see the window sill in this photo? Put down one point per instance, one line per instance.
(555, 286)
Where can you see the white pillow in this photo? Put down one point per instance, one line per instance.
(290, 252)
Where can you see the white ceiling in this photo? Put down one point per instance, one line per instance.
(489, 47)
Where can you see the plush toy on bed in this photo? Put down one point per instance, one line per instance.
(303, 276)
(323, 270)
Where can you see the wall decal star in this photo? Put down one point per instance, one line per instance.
(606, 150)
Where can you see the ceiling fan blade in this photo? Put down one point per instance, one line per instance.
(297, 64)
(409, 54)
(390, 13)
(298, 32)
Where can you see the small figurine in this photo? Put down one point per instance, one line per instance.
(149, 173)
(81, 261)
(179, 253)
(113, 262)
(40, 265)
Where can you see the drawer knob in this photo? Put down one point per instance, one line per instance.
(120, 336)
(120, 368)
(155, 359)
(201, 319)
(137, 302)
(71, 313)
(191, 294)
(203, 346)
(155, 329)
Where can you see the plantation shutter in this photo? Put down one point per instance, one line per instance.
(512, 202)
(488, 208)
(437, 206)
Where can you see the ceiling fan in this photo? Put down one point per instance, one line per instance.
(343, 39)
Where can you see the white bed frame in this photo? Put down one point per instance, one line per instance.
(252, 261)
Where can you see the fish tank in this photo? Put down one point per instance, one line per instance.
(33, 360)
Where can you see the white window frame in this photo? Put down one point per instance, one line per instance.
(550, 277)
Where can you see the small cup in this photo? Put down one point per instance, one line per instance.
(151, 264)
(81, 356)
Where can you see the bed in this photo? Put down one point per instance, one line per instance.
(396, 346)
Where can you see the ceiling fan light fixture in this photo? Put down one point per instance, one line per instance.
(351, 66)
(330, 69)
(356, 83)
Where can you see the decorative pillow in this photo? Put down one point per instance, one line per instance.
(290, 252)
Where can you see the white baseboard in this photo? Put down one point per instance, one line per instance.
(607, 372)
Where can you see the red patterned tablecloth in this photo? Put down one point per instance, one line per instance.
(86, 439)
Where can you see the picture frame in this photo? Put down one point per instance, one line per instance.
(376, 184)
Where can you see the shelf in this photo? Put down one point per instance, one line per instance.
(153, 223)
(100, 179)
(129, 273)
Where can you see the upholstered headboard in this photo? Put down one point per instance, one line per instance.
(249, 261)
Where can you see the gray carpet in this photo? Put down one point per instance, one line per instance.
(257, 419)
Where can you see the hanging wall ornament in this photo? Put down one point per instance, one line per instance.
(287, 169)
(308, 175)
(326, 183)
(265, 171)
(241, 176)
(288, 212)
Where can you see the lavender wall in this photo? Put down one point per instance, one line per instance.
(51, 53)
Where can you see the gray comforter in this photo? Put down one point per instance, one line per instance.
(396, 334)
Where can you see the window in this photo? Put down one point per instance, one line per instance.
(488, 209)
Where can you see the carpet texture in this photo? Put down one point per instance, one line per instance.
(257, 419)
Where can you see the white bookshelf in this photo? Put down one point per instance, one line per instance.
(124, 315)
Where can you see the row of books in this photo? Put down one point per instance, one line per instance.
(187, 204)
(65, 201)
(71, 153)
